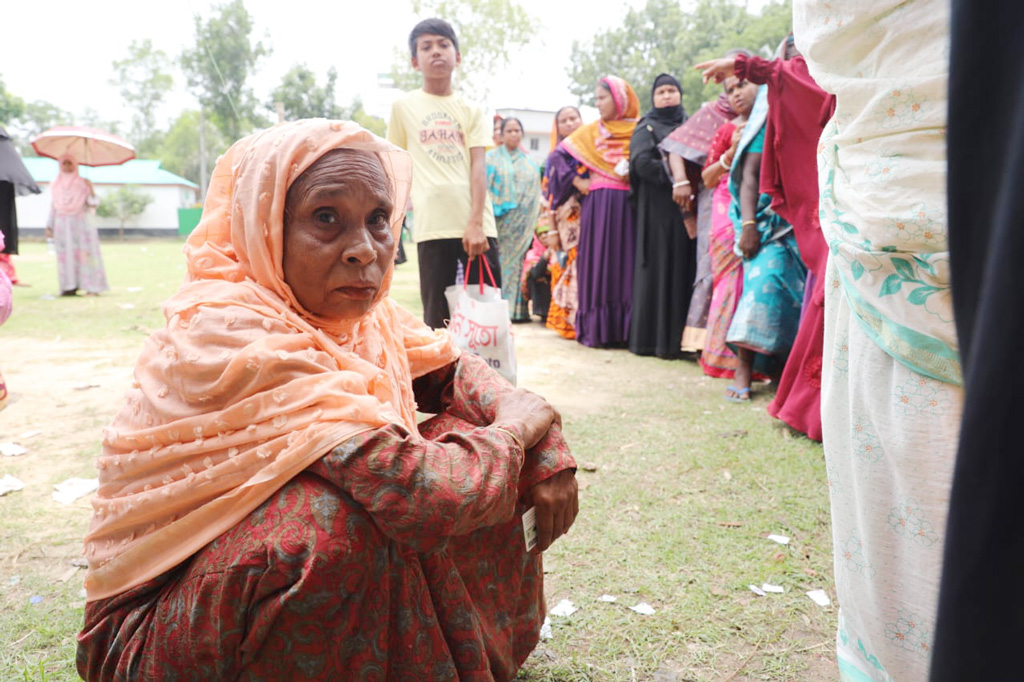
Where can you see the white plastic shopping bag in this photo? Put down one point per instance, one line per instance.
(480, 322)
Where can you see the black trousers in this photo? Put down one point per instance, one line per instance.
(439, 259)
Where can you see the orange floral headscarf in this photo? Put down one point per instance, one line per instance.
(602, 144)
(244, 388)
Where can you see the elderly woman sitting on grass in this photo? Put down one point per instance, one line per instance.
(269, 507)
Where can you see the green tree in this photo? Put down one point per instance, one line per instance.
(219, 65)
(37, 117)
(143, 83)
(92, 118)
(11, 106)
(302, 97)
(355, 112)
(663, 37)
(124, 203)
(179, 149)
(487, 30)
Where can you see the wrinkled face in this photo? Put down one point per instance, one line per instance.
(605, 104)
(338, 244)
(496, 135)
(67, 166)
(667, 95)
(512, 135)
(436, 56)
(568, 121)
(741, 94)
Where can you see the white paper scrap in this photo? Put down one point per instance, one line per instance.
(608, 598)
(29, 434)
(545, 629)
(564, 608)
(12, 450)
(70, 490)
(819, 597)
(781, 539)
(778, 589)
(643, 608)
(756, 590)
(9, 484)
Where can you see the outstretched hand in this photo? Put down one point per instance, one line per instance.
(717, 69)
(556, 502)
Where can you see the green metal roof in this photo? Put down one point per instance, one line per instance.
(134, 172)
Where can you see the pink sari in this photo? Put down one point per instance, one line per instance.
(727, 273)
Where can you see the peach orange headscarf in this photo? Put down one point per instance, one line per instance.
(602, 144)
(244, 388)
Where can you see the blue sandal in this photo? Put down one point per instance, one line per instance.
(742, 397)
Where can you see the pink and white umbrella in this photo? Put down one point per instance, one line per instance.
(87, 146)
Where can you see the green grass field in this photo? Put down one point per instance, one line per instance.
(681, 492)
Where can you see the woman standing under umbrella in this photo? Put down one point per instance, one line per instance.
(79, 263)
(514, 182)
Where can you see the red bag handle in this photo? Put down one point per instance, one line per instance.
(487, 267)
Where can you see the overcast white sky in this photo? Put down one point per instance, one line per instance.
(61, 51)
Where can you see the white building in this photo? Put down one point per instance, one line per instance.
(169, 191)
(536, 131)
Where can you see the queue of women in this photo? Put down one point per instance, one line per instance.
(653, 233)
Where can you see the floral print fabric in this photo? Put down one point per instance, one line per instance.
(79, 262)
(891, 400)
(392, 557)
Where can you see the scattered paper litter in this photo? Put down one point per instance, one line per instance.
(35, 599)
(545, 629)
(607, 598)
(84, 387)
(70, 490)
(756, 590)
(819, 597)
(12, 449)
(9, 484)
(781, 539)
(643, 608)
(29, 434)
(778, 589)
(563, 608)
(126, 306)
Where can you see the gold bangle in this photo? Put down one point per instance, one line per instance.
(748, 222)
(512, 435)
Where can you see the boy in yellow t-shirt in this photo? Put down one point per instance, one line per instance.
(447, 138)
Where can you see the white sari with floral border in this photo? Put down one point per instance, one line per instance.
(891, 396)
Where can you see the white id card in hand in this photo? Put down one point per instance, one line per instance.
(530, 528)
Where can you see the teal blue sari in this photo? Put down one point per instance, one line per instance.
(768, 313)
(514, 184)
